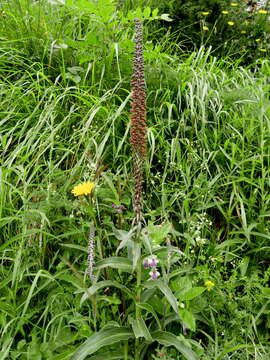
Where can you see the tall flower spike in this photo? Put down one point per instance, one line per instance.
(138, 120)
(91, 251)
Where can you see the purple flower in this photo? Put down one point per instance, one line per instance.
(154, 275)
(150, 262)
(153, 261)
(118, 208)
(146, 264)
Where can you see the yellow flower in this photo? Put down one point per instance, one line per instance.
(234, 4)
(205, 28)
(263, 50)
(243, 32)
(205, 13)
(209, 285)
(258, 40)
(225, 12)
(263, 12)
(231, 23)
(83, 189)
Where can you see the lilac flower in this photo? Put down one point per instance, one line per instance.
(150, 262)
(118, 208)
(154, 275)
(91, 251)
(146, 264)
(153, 261)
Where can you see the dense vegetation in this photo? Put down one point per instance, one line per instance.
(65, 70)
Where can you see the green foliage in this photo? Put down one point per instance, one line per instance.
(224, 25)
(64, 96)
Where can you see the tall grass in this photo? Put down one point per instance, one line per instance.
(64, 118)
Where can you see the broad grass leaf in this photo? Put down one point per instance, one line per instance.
(7, 220)
(169, 339)
(71, 280)
(102, 338)
(115, 262)
(31, 294)
(233, 349)
(75, 246)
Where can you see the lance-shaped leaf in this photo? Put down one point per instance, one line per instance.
(140, 329)
(165, 290)
(102, 284)
(112, 355)
(150, 310)
(188, 319)
(102, 338)
(169, 339)
(115, 262)
(124, 237)
(136, 254)
(190, 294)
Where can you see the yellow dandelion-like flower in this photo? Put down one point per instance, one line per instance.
(234, 4)
(243, 32)
(209, 285)
(264, 12)
(231, 23)
(83, 189)
(225, 12)
(205, 28)
(263, 50)
(205, 13)
(258, 40)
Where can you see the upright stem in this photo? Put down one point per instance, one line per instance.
(126, 350)
(138, 293)
(138, 309)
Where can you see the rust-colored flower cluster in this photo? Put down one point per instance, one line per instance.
(138, 107)
(138, 119)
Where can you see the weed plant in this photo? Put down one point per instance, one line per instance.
(65, 120)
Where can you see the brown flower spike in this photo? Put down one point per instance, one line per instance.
(138, 120)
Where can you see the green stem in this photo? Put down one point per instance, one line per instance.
(138, 309)
(125, 350)
(138, 293)
(94, 312)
